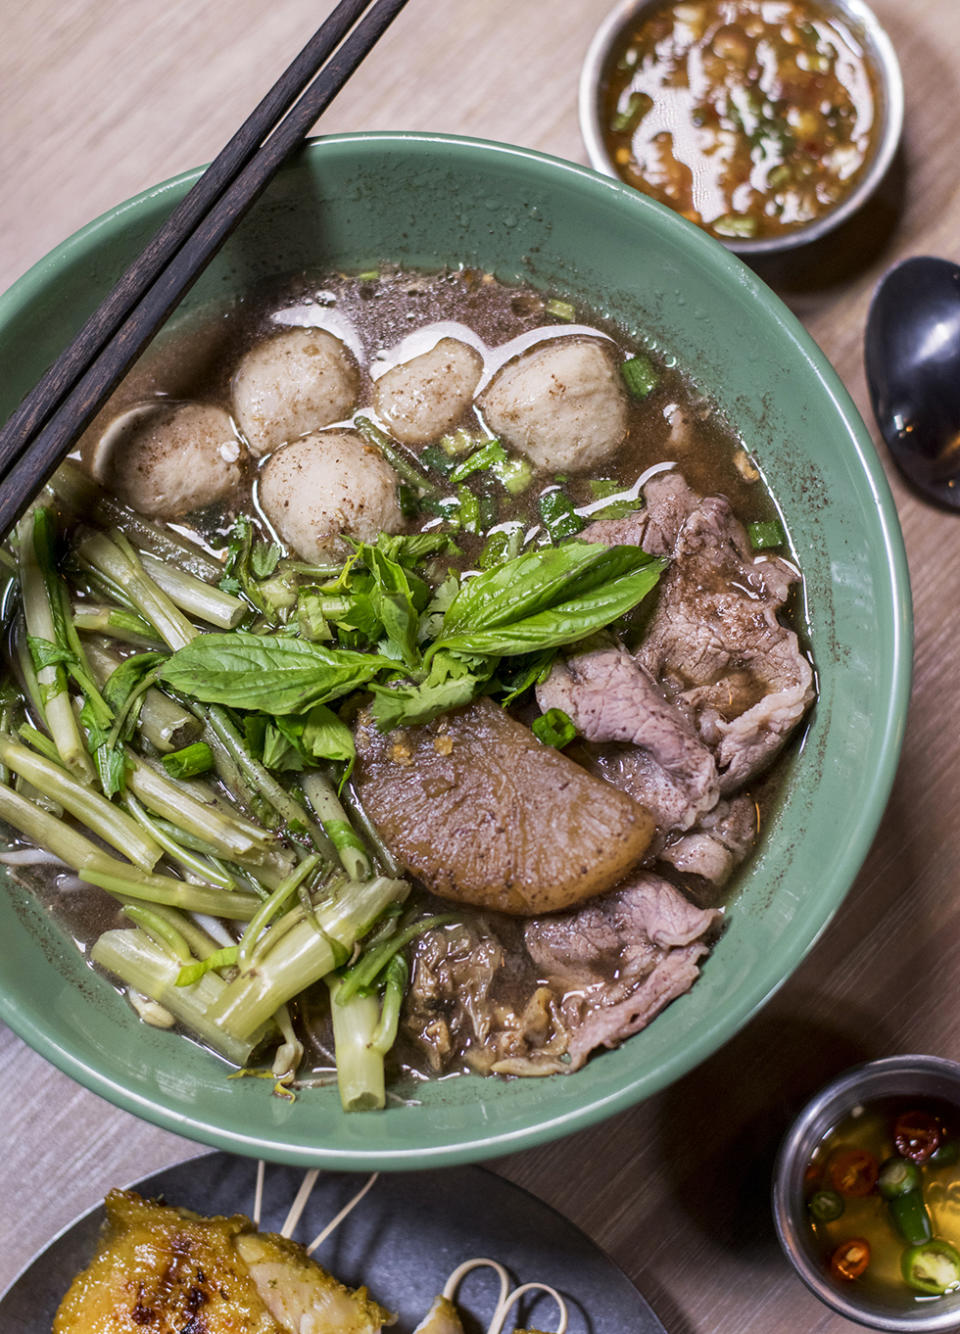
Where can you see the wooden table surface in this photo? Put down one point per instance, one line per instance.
(100, 99)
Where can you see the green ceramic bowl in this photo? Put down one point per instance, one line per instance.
(428, 201)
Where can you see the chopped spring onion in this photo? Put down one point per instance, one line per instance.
(554, 728)
(408, 500)
(560, 310)
(438, 460)
(503, 544)
(767, 534)
(457, 443)
(638, 104)
(480, 461)
(470, 520)
(559, 517)
(639, 376)
(514, 475)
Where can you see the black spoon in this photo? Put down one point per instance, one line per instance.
(912, 355)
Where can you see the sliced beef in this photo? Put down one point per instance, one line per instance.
(669, 500)
(619, 960)
(587, 978)
(717, 647)
(662, 764)
(475, 807)
(717, 845)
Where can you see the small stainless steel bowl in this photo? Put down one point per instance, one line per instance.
(906, 1076)
(880, 52)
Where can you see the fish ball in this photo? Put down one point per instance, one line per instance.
(561, 403)
(292, 383)
(327, 486)
(422, 398)
(165, 459)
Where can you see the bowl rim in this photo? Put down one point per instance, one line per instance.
(583, 1111)
(835, 1099)
(884, 58)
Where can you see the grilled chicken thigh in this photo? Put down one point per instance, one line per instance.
(173, 1272)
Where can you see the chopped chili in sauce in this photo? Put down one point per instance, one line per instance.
(853, 1171)
(749, 117)
(916, 1135)
(851, 1259)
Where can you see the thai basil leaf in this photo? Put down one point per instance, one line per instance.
(538, 581)
(264, 558)
(279, 751)
(431, 622)
(272, 673)
(395, 604)
(563, 623)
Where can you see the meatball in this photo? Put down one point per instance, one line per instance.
(422, 398)
(166, 458)
(325, 486)
(292, 383)
(561, 403)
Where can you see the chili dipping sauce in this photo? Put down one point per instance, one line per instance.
(752, 118)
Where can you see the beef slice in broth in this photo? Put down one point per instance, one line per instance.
(481, 812)
(718, 648)
(618, 960)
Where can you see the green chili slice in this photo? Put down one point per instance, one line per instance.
(897, 1177)
(909, 1216)
(932, 1268)
(826, 1205)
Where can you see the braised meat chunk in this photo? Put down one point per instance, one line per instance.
(482, 813)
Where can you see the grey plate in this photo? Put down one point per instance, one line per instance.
(402, 1241)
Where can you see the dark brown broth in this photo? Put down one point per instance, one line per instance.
(195, 360)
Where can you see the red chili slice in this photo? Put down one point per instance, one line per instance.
(853, 1171)
(917, 1135)
(850, 1259)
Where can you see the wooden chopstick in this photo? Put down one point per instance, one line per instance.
(42, 430)
(106, 319)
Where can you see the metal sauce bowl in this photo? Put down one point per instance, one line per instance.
(889, 87)
(903, 1076)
